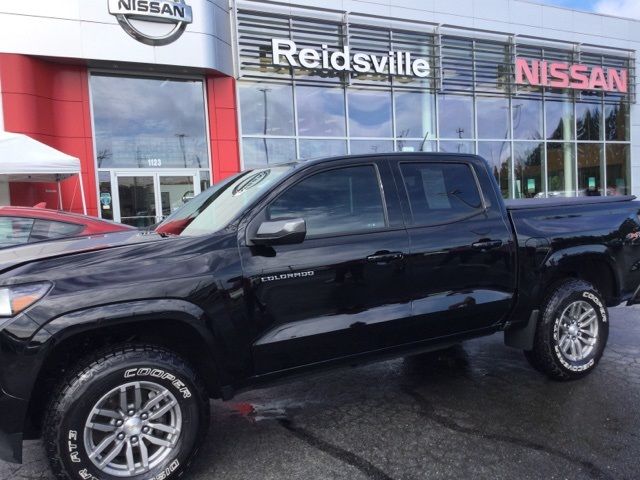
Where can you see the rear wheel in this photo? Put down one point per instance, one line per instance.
(135, 412)
(572, 333)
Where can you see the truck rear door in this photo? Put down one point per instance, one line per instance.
(461, 263)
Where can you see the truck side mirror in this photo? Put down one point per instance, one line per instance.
(281, 232)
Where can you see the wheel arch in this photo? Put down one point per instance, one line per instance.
(591, 263)
(179, 328)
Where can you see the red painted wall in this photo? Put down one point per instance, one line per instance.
(223, 126)
(50, 102)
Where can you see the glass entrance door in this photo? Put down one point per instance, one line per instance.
(143, 200)
(137, 200)
(175, 191)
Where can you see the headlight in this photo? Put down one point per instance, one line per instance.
(16, 298)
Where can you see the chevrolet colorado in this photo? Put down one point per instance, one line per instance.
(112, 345)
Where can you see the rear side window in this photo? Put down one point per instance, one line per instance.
(343, 200)
(14, 231)
(48, 230)
(440, 192)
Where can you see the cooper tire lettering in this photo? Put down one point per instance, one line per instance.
(157, 373)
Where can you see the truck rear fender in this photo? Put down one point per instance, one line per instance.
(592, 263)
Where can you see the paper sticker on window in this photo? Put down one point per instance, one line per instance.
(435, 189)
(592, 182)
(531, 185)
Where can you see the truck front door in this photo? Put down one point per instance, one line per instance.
(342, 290)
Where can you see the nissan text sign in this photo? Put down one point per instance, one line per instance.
(285, 52)
(566, 75)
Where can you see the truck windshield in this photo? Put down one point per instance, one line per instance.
(214, 208)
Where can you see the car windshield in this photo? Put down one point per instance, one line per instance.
(214, 208)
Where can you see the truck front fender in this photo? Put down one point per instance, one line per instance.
(146, 315)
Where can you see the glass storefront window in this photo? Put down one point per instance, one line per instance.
(527, 166)
(560, 120)
(311, 148)
(260, 152)
(266, 108)
(369, 113)
(588, 121)
(455, 114)
(616, 118)
(497, 155)
(106, 196)
(451, 146)
(493, 117)
(560, 170)
(590, 169)
(371, 146)
(133, 132)
(618, 169)
(526, 116)
(468, 103)
(320, 111)
(415, 114)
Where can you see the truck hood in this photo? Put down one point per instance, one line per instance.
(20, 255)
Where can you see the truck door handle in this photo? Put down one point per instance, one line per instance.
(385, 256)
(486, 244)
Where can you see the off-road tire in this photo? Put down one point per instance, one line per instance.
(76, 395)
(546, 355)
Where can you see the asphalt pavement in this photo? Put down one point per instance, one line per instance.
(477, 411)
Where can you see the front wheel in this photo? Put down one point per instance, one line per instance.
(136, 412)
(572, 334)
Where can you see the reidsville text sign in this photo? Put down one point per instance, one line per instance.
(286, 52)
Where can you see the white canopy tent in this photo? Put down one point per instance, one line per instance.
(23, 159)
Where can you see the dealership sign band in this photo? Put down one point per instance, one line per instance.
(566, 75)
(286, 52)
(132, 13)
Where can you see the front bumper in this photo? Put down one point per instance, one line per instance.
(12, 413)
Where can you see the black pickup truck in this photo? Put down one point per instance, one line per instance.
(111, 346)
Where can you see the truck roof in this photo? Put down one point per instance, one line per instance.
(390, 155)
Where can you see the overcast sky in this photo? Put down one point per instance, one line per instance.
(620, 8)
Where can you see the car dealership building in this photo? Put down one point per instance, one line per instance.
(159, 98)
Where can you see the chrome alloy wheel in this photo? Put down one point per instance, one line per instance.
(132, 429)
(578, 331)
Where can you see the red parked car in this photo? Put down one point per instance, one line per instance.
(22, 225)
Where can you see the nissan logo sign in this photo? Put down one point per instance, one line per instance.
(154, 22)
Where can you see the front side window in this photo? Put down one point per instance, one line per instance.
(343, 200)
(440, 193)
